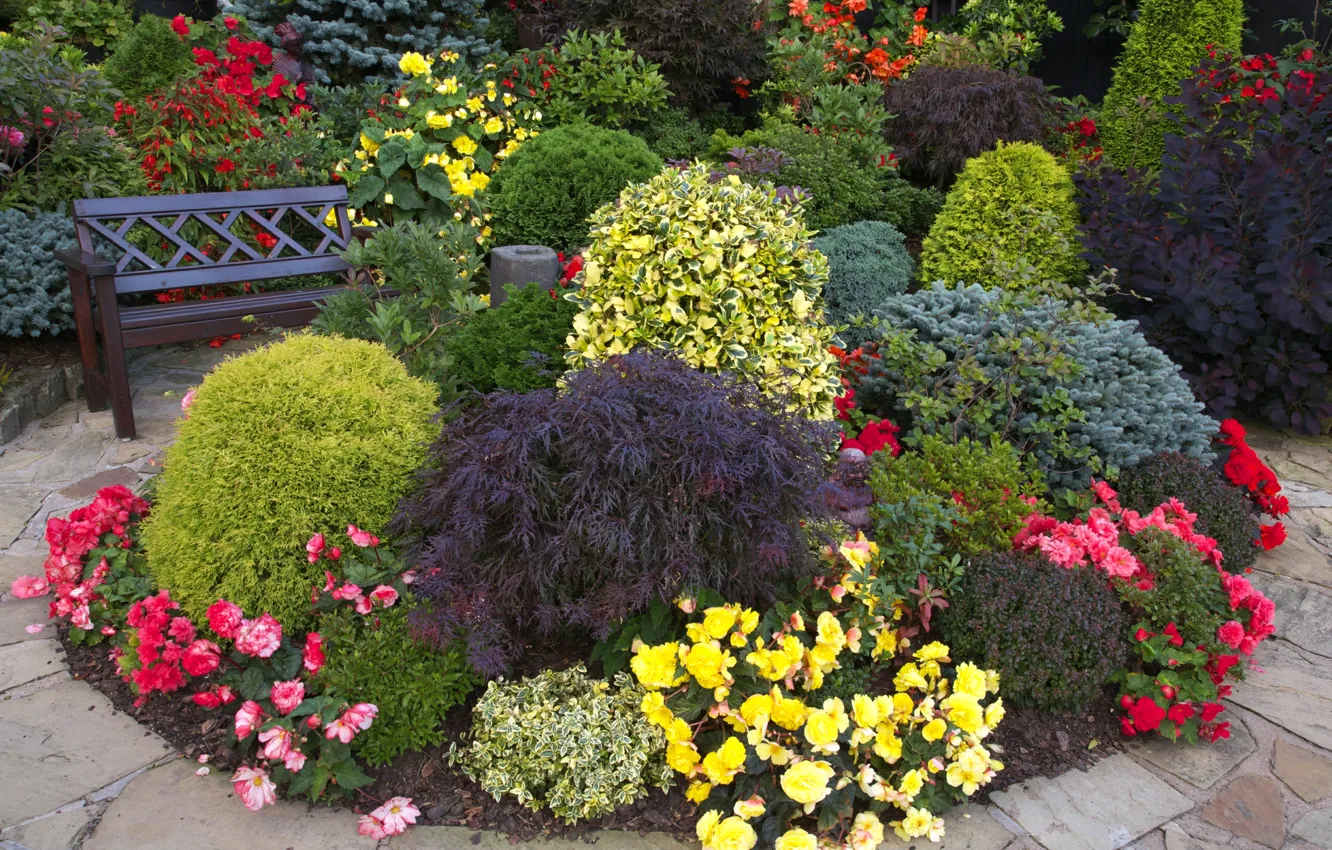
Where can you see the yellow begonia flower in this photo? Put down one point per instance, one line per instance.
(749, 620)
(369, 144)
(830, 631)
(681, 757)
(970, 680)
(865, 711)
(796, 839)
(909, 677)
(887, 745)
(678, 731)
(885, 643)
(821, 731)
(698, 791)
(935, 729)
(655, 666)
(414, 64)
(721, 765)
(493, 125)
(731, 834)
(964, 712)
(918, 823)
(789, 713)
(866, 832)
(708, 664)
(464, 145)
(774, 753)
(934, 651)
(474, 103)
(994, 713)
(654, 706)
(807, 782)
(706, 825)
(448, 85)
(968, 770)
(438, 122)
(719, 621)
(756, 706)
(912, 782)
(698, 633)
(749, 809)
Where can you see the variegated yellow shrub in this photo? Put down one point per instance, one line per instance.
(720, 272)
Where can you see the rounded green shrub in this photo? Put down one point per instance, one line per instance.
(1167, 41)
(911, 208)
(867, 263)
(424, 682)
(518, 345)
(578, 746)
(1010, 216)
(841, 190)
(1055, 635)
(151, 57)
(675, 134)
(544, 193)
(302, 436)
(977, 488)
(1224, 510)
(721, 273)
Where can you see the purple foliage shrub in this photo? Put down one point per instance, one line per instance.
(556, 509)
(1231, 244)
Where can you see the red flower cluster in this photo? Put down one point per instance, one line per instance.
(1246, 469)
(70, 540)
(851, 52)
(165, 646)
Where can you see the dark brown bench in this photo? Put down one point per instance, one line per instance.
(236, 225)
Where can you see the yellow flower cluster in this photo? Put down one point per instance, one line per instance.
(436, 152)
(888, 748)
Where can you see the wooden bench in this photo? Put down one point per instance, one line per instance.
(240, 236)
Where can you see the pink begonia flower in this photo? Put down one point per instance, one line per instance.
(247, 718)
(34, 628)
(109, 631)
(363, 605)
(361, 538)
(361, 715)
(259, 638)
(201, 658)
(81, 618)
(314, 548)
(1120, 563)
(254, 787)
(384, 595)
(181, 630)
(287, 696)
(334, 552)
(409, 577)
(312, 658)
(347, 592)
(329, 581)
(187, 402)
(340, 729)
(1231, 634)
(396, 815)
(276, 743)
(225, 618)
(29, 587)
(294, 760)
(371, 827)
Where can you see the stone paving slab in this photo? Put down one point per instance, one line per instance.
(1306, 773)
(1316, 828)
(1251, 807)
(1200, 766)
(969, 827)
(1303, 612)
(54, 832)
(12, 566)
(459, 837)
(169, 808)
(21, 663)
(1103, 808)
(17, 614)
(1292, 692)
(63, 743)
(18, 506)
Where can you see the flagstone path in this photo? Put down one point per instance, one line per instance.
(75, 774)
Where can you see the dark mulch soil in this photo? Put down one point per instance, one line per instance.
(28, 355)
(1030, 743)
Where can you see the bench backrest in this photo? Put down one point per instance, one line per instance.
(292, 220)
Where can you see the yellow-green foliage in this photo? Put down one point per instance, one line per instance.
(1169, 38)
(303, 436)
(1009, 219)
(722, 273)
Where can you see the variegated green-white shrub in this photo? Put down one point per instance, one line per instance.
(580, 746)
(722, 273)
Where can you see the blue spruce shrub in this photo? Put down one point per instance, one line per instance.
(1135, 402)
(867, 264)
(34, 291)
(351, 41)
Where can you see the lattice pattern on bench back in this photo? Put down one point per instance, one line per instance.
(175, 241)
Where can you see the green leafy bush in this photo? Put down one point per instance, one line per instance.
(674, 134)
(96, 23)
(982, 486)
(1054, 634)
(1224, 511)
(578, 746)
(1185, 590)
(1013, 207)
(1081, 394)
(1026, 22)
(867, 263)
(841, 189)
(377, 659)
(910, 208)
(545, 191)
(34, 288)
(149, 58)
(719, 272)
(518, 345)
(1169, 38)
(302, 436)
(600, 81)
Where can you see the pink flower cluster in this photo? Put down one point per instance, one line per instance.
(257, 638)
(385, 595)
(392, 818)
(69, 541)
(166, 647)
(355, 719)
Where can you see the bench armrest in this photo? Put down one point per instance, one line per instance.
(92, 265)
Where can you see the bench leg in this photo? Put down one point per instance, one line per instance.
(122, 405)
(81, 297)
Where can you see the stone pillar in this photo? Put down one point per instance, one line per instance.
(520, 265)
